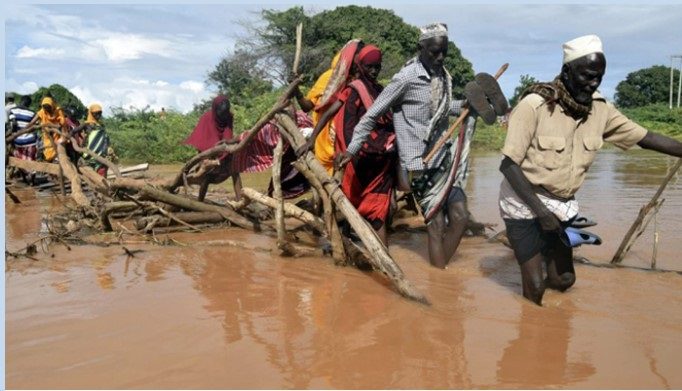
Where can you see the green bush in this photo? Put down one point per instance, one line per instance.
(142, 136)
(139, 137)
(488, 137)
(657, 118)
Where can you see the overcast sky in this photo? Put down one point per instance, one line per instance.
(159, 55)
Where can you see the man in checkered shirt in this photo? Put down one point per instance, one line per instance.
(420, 96)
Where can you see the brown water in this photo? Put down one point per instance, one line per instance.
(220, 317)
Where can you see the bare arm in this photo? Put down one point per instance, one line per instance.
(660, 143)
(321, 123)
(524, 189)
(305, 103)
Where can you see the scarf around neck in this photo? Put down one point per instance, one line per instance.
(555, 92)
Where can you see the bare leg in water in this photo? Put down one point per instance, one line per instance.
(560, 273)
(444, 237)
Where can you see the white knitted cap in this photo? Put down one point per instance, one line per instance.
(433, 30)
(581, 46)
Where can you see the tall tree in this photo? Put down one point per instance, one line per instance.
(525, 81)
(272, 43)
(240, 76)
(645, 86)
(62, 96)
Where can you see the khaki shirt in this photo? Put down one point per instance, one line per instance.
(554, 150)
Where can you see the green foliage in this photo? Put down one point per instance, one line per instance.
(645, 86)
(524, 82)
(62, 96)
(246, 116)
(657, 118)
(141, 136)
(268, 51)
(488, 137)
(239, 77)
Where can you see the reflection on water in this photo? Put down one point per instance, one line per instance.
(221, 317)
(539, 356)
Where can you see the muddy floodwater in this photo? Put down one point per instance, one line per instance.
(206, 316)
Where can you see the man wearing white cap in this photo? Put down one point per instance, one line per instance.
(420, 96)
(553, 136)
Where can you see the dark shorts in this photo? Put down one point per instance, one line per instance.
(528, 239)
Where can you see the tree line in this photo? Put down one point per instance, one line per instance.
(253, 73)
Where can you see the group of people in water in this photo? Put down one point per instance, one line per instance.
(376, 140)
(35, 135)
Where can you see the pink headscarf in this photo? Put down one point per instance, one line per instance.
(209, 131)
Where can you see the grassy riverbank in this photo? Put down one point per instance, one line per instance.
(145, 137)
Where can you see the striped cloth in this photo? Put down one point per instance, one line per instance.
(19, 117)
(258, 156)
(98, 142)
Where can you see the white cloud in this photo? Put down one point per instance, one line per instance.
(124, 47)
(140, 93)
(46, 53)
(27, 87)
(193, 86)
(84, 94)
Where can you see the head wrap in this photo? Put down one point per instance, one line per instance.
(217, 101)
(369, 54)
(57, 115)
(94, 108)
(581, 46)
(433, 30)
(208, 131)
(47, 101)
(340, 74)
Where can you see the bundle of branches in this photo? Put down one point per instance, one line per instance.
(137, 205)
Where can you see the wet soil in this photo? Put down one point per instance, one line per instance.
(204, 316)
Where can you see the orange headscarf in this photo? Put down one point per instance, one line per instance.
(94, 108)
(57, 115)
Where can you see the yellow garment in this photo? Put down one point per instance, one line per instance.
(56, 118)
(94, 108)
(324, 144)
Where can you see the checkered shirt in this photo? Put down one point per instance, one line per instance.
(409, 95)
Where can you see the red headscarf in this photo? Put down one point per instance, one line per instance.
(369, 55)
(209, 131)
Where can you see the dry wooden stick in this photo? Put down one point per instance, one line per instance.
(277, 194)
(290, 210)
(446, 136)
(338, 251)
(93, 154)
(299, 41)
(646, 209)
(221, 148)
(75, 179)
(380, 258)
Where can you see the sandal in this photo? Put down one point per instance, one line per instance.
(479, 102)
(573, 237)
(582, 222)
(493, 92)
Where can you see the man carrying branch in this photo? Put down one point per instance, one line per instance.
(420, 96)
